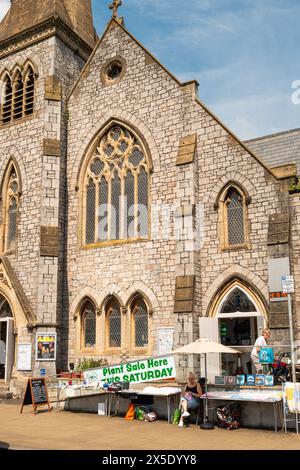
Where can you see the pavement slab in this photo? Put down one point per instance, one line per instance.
(83, 431)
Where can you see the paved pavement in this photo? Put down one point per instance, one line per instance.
(81, 431)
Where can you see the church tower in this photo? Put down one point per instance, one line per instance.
(44, 44)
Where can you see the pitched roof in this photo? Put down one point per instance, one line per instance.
(278, 149)
(26, 14)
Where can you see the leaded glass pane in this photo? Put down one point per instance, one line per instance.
(129, 194)
(141, 324)
(97, 167)
(103, 210)
(235, 218)
(12, 222)
(89, 325)
(90, 213)
(115, 212)
(238, 301)
(143, 203)
(114, 325)
(5, 310)
(136, 157)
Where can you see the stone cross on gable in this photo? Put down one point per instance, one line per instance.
(114, 6)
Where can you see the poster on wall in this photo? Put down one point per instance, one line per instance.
(165, 340)
(46, 346)
(24, 357)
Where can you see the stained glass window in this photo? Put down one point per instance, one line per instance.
(119, 169)
(238, 301)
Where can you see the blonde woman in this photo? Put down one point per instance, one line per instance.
(190, 399)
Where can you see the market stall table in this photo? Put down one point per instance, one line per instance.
(260, 396)
(164, 392)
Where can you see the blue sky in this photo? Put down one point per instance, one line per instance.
(244, 53)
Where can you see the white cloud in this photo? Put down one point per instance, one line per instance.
(4, 6)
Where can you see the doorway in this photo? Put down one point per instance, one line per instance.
(7, 342)
(240, 321)
(240, 331)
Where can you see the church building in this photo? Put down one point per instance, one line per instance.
(133, 221)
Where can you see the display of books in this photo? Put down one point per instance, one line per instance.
(250, 379)
(269, 380)
(240, 380)
(230, 380)
(220, 380)
(259, 380)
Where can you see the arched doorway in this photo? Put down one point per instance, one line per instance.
(237, 316)
(6, 340)
(240, 318)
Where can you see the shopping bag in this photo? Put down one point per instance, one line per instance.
(176, 416)
(130, 413)
(229, 416)
(266, 355)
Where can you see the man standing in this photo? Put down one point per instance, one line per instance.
(261, 342)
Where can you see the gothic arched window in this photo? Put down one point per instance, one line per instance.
(11, 199)
(237, 301)
(140, 323)
(233, 218)
(88, 319)
(116, 189)
(7, 100)
(18, 95)
(113, 322)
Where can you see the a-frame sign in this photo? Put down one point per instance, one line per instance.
(36, 394)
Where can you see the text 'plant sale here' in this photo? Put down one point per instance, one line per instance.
(134, 372)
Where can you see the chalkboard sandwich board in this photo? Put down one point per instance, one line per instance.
(36, 394)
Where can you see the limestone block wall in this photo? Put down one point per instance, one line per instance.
(152, 101)
(30, 143)
(295, 262)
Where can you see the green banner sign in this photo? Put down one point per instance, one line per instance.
(146, 370)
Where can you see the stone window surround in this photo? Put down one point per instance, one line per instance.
(11, 166)
(23, 70)
(220, 205)
(102, 331)
(81, 189)
(103, 72)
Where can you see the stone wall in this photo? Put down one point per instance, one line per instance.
(149, 99)
(32, 142)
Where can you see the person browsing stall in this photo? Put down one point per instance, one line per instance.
(261, 342)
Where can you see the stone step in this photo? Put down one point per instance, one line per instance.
(4, 388)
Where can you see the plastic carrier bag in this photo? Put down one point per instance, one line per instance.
(176, 416)
(266, 355)
(140, 413)
(229, 416)
(130, 413)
